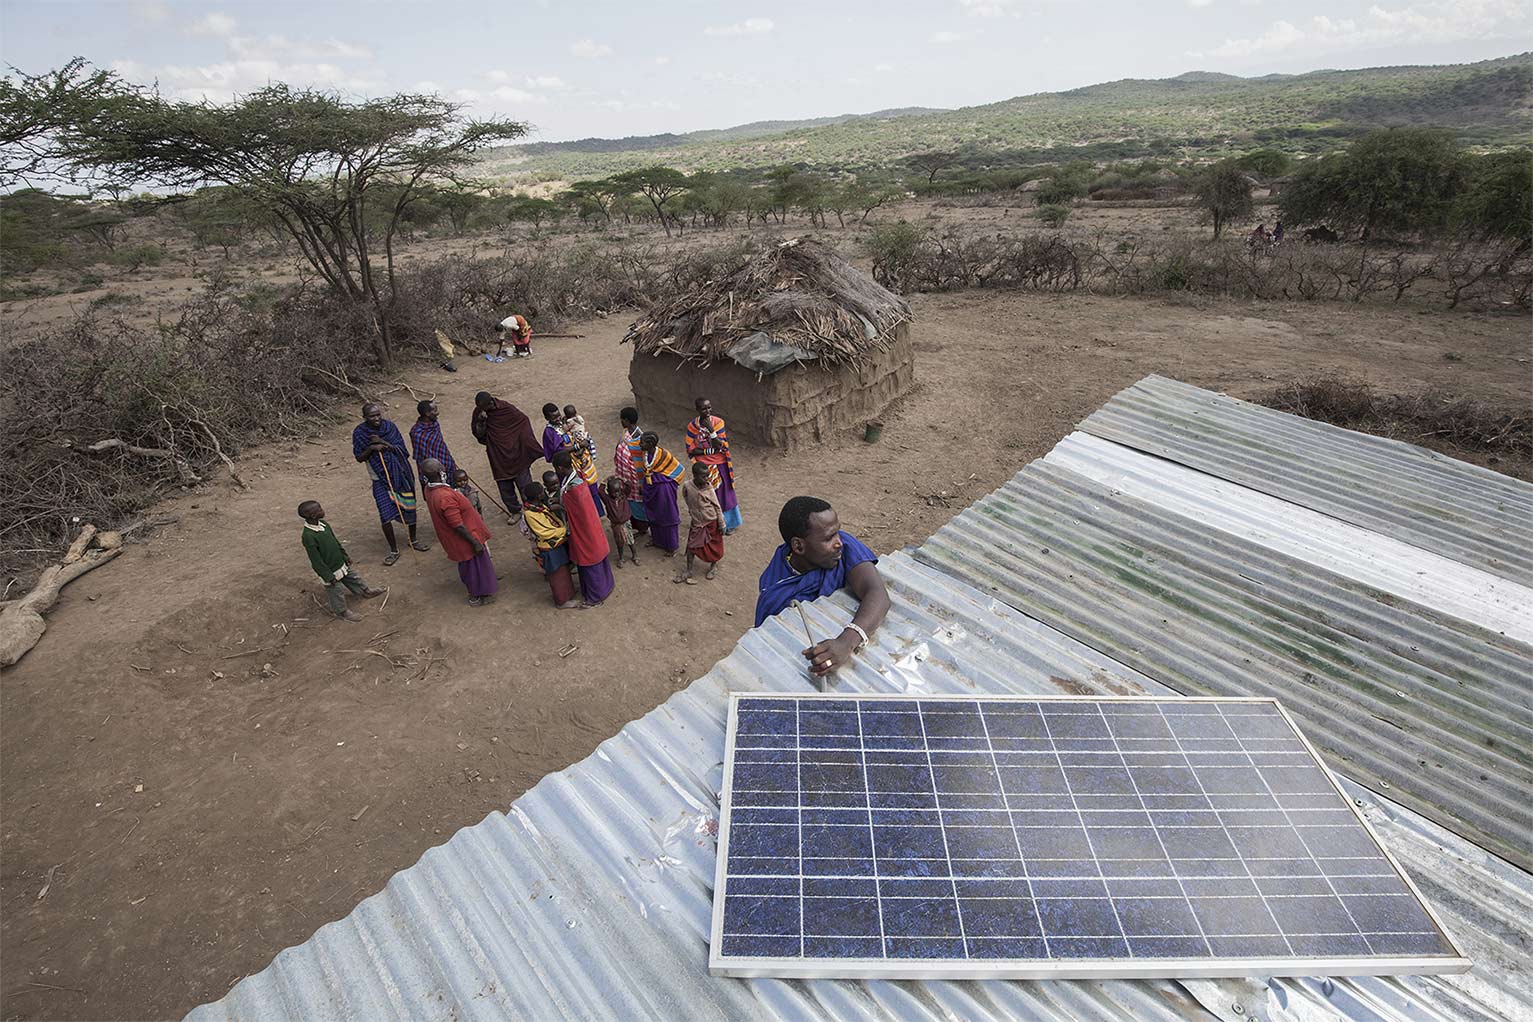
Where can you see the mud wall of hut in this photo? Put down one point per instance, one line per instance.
(791, 408)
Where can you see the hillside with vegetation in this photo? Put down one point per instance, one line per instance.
(1488, 104)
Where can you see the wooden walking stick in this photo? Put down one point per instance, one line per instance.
(394, 496)
(486, 492)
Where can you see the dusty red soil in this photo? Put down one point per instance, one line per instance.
(273, 799)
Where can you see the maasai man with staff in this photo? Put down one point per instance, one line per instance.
(378, 444)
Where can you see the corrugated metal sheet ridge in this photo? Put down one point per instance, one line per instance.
(592, 898)
(1460, 510)
(1390, 565)
(1208, 613)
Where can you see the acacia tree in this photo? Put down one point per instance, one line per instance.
(1397, 180)
(657, 184)
(930, 163)
(338, 175)
(34, 108)
(1224, 194)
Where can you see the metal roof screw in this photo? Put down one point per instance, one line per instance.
(1238, 1008)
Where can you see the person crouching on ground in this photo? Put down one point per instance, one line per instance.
(705, 537)
(330, 562)
(518, 331)
(462, 533)
(620, 521)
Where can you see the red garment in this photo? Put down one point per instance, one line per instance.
(588, 540)
(705, 540)
(450, 509)
(507, 436)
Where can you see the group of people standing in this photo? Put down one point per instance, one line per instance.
(561, 514)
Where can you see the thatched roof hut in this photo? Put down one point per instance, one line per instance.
(792, 347)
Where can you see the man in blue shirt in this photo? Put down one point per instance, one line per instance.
(815, 559)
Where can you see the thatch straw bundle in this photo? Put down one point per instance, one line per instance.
(800, 293)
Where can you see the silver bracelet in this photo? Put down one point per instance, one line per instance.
(858, 629)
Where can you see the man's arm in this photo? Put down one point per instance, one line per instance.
(867, 585)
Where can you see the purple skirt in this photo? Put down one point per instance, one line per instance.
(478, 574)
(596, 581)
(661, 510)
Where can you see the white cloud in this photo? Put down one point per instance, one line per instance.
(590, 48)
(750, 26)
(152, 10)
(223, 80)
(945, 36)
(276, 47)
(661, 60)
(987, 8)
(1434, 22)
(215, 23)
(1199, 3)
(544, 82)
(509, 94)
(883, 68)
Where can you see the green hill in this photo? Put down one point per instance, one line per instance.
(1487, 104)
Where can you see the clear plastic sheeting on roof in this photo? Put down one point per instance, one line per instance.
(761, 354)
(592, 897)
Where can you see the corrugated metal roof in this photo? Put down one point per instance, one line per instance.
(592, 897)
(1418, 575)
(1424, 498)
(1429, 707)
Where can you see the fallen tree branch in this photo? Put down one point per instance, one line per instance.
(338, 379)
(218, 449)
(21, 622)
(182, 468)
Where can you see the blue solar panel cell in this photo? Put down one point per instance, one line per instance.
(1026, 837)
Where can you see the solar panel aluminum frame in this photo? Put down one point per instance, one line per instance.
(1001, 968)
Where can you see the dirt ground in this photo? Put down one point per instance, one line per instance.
(200, 769)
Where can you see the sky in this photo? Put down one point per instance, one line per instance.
(576, 69)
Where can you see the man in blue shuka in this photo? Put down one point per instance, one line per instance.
(815, 559)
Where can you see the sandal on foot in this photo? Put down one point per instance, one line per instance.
(689, 580)
(368, 594)
(420, 545)
(392, 558)
(713, 573)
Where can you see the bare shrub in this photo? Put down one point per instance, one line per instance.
(1502, 438)
(908, 258)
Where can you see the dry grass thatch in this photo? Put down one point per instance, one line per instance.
(800, 293)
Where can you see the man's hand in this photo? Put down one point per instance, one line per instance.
(478, 547)
(825, 657)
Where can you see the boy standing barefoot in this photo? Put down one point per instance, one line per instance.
(330, 562)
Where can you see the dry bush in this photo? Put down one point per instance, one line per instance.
(1453, 274)
(1502, 438)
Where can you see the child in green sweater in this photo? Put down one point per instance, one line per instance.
(331, 563)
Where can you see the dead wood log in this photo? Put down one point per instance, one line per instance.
(77, 548)
(21, 621)
(182, 468)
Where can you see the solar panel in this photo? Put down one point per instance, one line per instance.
(867, 836)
